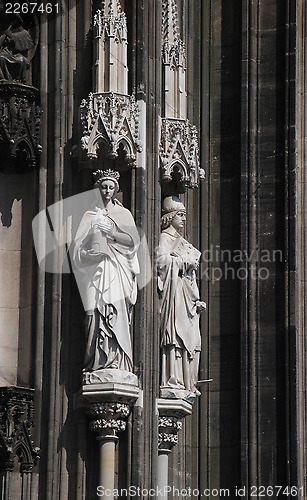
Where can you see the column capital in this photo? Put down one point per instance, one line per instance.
(171, 413)
(107, 419)
(168, 433)
(108, 396)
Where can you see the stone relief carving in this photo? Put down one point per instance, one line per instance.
(18, 43)
(105, 255)
(16, 423)
(180, 305)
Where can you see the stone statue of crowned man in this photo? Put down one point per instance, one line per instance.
(180, 305)
(105, 254)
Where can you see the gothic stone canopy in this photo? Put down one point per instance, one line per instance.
(110, 120)
(16, 423)
(19, 125)
(179, 152)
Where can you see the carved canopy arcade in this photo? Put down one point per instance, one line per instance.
(19, 126)
(16, 423)
(110, 122)
(179, 144)
(179, 152)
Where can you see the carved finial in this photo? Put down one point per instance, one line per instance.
(111, 7)
(170, 24)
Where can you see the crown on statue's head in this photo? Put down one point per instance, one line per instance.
(103, 175)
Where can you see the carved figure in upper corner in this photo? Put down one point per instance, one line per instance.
(177, 262)
(16, 48)
(105, 255)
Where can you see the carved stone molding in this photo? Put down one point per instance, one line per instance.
(110, 122)
(19, 126)
(16, 423)
(179, 153)
(107, 419)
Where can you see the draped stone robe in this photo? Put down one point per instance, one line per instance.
(179, 294)
(108, 288)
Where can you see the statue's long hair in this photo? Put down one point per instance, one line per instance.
(167, 219)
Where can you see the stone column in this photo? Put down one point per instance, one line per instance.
(171, 413)
(108, 396)
(168, 429)
(107, 419)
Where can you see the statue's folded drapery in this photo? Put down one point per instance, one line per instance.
(179, 296)
(108, 287)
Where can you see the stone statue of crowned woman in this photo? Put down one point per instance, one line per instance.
(180, 305)
(105, 255)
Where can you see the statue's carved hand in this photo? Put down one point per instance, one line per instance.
(200, 306)
(193, 264)
(106, 228)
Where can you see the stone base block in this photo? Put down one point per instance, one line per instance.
(109, 376)
(173, 393)
(179, 408)
(108, 386)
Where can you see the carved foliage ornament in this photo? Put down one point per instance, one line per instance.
(111, 120)
(16, 422)
(168, 432)
(108, 418)
(179, 150)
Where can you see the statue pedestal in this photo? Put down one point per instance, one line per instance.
(109, 385)
(108, 396)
